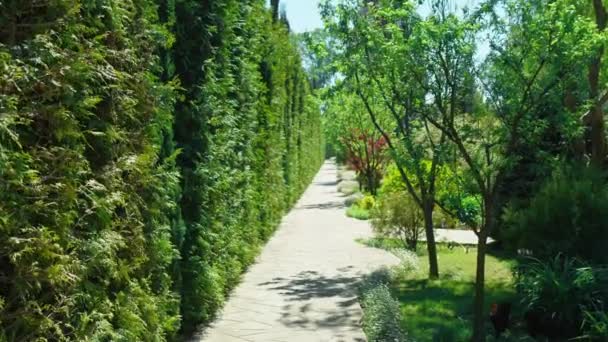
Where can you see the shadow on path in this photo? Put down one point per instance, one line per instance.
(322, 206)
(329, 183)
(311, 284)
(309, 289)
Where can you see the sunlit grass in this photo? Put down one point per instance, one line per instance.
(441, 310)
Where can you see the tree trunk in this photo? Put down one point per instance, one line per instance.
(479, 314)
(598, 140)
(596, 113)
(371, 184)
(12, 33)
(431, 246)
(274, 4)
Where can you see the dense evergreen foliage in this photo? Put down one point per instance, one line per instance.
(147, 149)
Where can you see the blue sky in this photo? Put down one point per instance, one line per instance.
(303, 15)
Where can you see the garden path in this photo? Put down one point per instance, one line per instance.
(303, 285)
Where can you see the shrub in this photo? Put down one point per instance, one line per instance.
(358, 213)
(397, 215)
(595, 323)
(568, 215)
(144, 158)
(381, 312)
(443, 220)
(563, 295)
(381, 276)
(408, 260)
(368, 202)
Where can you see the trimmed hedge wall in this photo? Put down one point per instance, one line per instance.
(148, 148)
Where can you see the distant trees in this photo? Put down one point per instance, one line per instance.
(355, 140)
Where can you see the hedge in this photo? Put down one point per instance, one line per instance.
(148, 148)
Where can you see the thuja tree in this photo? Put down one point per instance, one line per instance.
(85, 196)
(248, 130)
(101, 186)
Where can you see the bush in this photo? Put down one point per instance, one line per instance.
(397, 215)
(443, 220)
(147, 150)
(368, 202)
(358, 213)
(564, 295)
(408, 260)
(595, 323)
(381, 312)
(568, 215)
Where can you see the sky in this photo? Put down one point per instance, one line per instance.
(303, 15)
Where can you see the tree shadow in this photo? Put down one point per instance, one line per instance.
(441, 310)
(329, 183)
(322, 206)
(310, 295)
(311, 284)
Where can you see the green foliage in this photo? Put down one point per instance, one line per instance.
(595, 322)
(397, 215)
(368, 202)
(86, 198)
(462, 207)
(381, 314)
(355, 211)
(566, 291)
(353, 139)
(568, 215)
(147, 150)
(440, 310)
(249, 129)
(408, 260)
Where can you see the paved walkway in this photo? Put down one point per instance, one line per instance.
(303, 286)
(464, 237)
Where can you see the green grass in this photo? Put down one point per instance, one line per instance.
(357, 212)
(441, 310)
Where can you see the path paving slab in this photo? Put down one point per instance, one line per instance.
(303, 285)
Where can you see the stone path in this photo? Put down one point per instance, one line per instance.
(465, 237)
(303, 286)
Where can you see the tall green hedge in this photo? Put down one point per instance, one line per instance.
(148, 148)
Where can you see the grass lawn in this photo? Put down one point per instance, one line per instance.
(441, 310)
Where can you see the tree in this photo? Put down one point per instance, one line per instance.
(374, 57)
(396, 214)
(355, 139)
(425, 72)
(486, 137)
